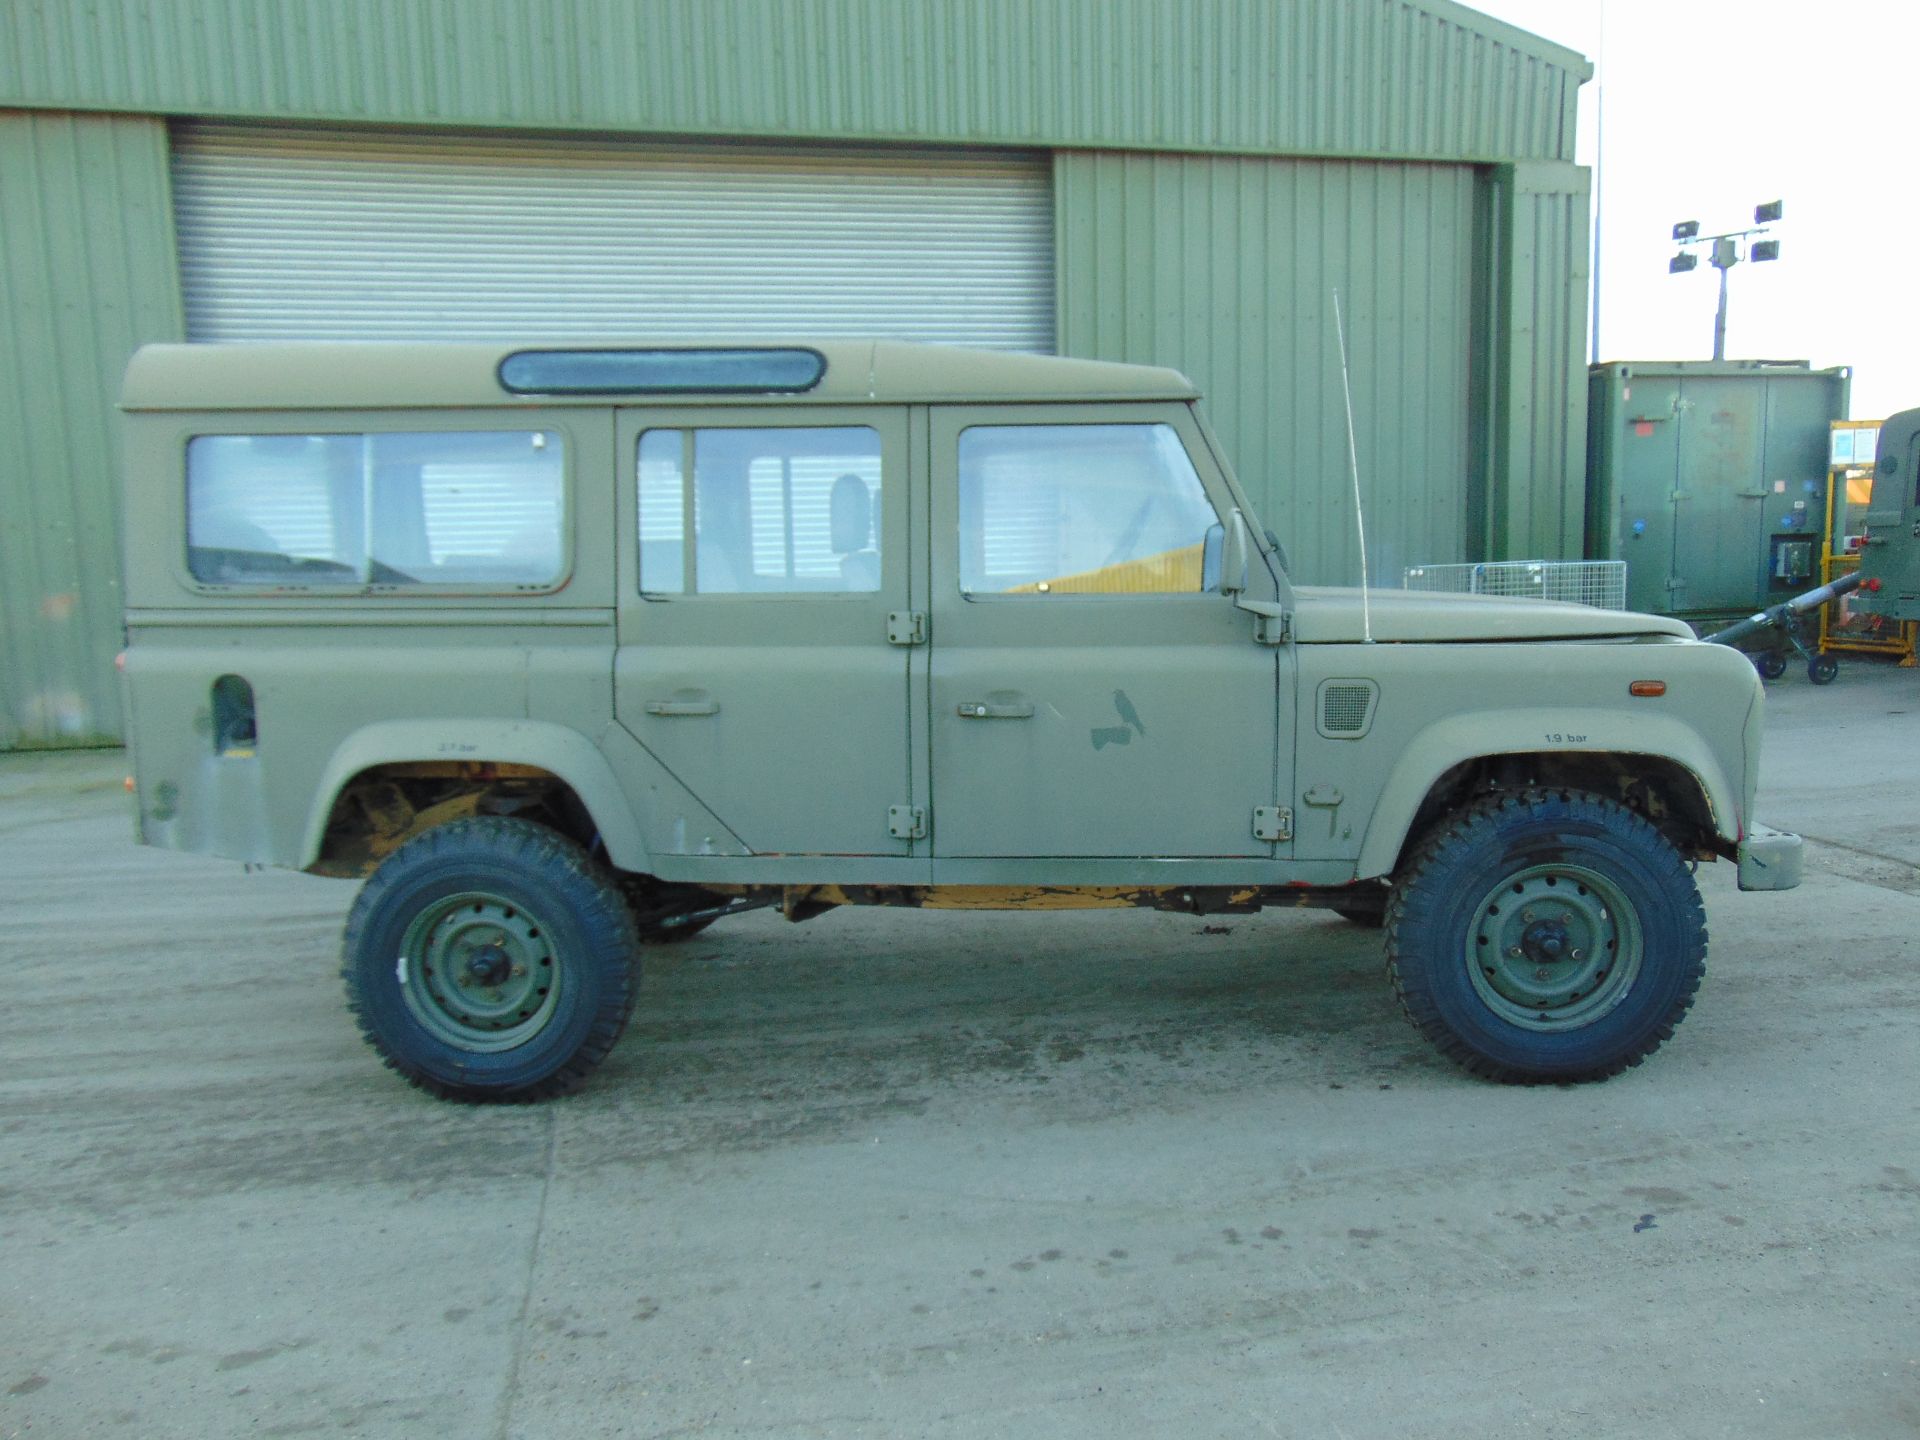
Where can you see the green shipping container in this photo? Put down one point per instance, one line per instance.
(1709, 478)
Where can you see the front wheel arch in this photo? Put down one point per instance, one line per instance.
(1668, 794)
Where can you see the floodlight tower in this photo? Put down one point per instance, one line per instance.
(1723, 256)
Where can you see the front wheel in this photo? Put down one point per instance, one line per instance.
(1822, 669)
(1545, 935)
(490, 959)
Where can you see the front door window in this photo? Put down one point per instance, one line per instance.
(1078, 510)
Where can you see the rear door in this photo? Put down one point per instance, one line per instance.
(766, 550)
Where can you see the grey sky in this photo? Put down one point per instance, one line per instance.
(1711, 108)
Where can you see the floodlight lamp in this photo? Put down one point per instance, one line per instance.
(1681, 263)
(1766, 214)
(1686, 230)
(1764, 250)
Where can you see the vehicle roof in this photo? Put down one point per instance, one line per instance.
(368, 375)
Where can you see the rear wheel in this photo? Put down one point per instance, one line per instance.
(1771, 664)
(1546, 935)
(1822, 669)
(490, 959)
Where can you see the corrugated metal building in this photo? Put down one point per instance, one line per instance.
(1183, 182)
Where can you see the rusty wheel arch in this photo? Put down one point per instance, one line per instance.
(384, 806)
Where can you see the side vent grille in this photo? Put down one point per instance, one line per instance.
(1345, 710)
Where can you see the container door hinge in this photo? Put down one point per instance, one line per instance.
(1273, 629)
(907, 822)
(1272, 822)
(907, 627)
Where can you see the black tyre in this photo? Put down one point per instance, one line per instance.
(1368, 918)
(1771, 664)
(1822, 669)
(1545, 935)
(490, 959)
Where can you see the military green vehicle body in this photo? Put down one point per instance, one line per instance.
(729, 688)
(1890, 559)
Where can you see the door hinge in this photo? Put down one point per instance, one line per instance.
(907, 627)
(1273, 629)
(1272, 822)
(907, 822)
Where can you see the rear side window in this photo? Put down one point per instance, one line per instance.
(470, 508)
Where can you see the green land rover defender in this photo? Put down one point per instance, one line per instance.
(572, 650)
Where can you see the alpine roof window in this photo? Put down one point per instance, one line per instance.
(745, 371)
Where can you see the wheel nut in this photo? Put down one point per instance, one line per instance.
(1514, 951)
(1527, 916)
(520, 970)
(1576, 954)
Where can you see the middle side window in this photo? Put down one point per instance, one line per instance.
(769, 510)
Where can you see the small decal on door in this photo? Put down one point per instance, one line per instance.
(1105, 735)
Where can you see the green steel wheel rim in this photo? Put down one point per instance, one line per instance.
(478, 972)
(1554, 947)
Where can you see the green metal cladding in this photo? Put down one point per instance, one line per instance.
(87, 274)
(1231, 263)
(1536, 445)
(1418, 78)
(1219, 166)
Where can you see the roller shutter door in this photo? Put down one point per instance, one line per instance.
(296, 233)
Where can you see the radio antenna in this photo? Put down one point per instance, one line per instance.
(1353, 467)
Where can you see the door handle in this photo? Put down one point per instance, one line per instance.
(683, 707)
(981, 710)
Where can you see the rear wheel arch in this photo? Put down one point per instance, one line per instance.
(379, 791)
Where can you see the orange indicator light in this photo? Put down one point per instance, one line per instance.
(1647, 687)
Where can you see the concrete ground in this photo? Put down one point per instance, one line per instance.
(891, 1174)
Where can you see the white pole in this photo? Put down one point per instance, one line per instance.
(1599, 179)
(1353, 465)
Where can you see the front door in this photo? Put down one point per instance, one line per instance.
(754, 660)
(1092, 693)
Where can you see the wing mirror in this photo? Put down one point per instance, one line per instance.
(1236, 550)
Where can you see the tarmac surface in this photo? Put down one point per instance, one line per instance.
(896, 1174)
